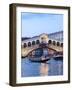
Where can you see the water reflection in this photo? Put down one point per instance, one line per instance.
(50, 68)
(43, 69)
(55, 67)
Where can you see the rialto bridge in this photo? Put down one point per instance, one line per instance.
(29, 45)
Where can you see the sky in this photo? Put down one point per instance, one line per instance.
(34, 24)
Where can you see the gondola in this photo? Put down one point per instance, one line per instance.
(41, 59)
(39, 55)
(58, 57)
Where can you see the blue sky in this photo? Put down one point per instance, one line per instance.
(34, 24)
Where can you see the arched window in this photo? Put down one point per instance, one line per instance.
(37, 41)
(49, 42)
(54, 42)
(29, 44)
(33, 42)
(58, 43)
(25, 45)
(61, 44)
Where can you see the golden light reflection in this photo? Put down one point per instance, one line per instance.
(44, 69)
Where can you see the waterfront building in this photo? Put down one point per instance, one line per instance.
(56, 35)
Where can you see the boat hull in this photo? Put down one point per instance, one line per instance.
(39, 59)
(58, 57)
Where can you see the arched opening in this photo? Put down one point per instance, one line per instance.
(54, 43)
(29, 44)
(33, 42)
(61, 44)
(49, 42)
(25, 45)
(58, 44)
(37, 41)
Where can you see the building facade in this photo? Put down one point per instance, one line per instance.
(57, 36)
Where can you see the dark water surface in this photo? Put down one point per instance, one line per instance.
(50, 68)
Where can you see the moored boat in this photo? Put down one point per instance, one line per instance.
(58, 57)
(41, 59)
(39, 55)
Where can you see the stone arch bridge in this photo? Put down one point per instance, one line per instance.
(32, 44)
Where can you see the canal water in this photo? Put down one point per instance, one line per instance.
(50, 68)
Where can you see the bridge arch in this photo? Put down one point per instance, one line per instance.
(29, 44)
(37, 42)
(25, 45)
(33, 43)
(54, 42)
(58, 44)
(50, 42)
(61, 44)
(40, 48)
